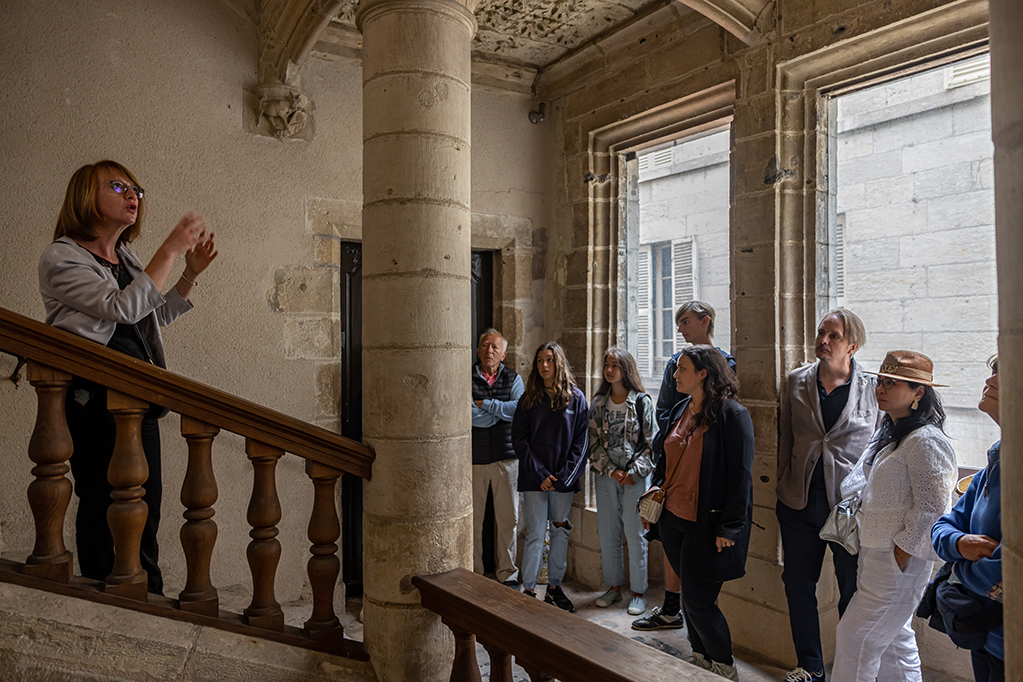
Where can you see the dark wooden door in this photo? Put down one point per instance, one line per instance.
(482, 295)
(351, 412)
(483, 318)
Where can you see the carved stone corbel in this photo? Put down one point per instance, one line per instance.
(283, 110)
(288, 29)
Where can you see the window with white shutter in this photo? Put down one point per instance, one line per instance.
(684, 269)
(644, 349)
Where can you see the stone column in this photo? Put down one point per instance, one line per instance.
(1006, 25)
(416, 325)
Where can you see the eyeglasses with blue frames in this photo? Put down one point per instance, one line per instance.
(886, 383)
(121, 188)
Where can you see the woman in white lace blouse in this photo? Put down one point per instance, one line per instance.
(906, 477)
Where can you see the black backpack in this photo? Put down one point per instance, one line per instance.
(965, 617)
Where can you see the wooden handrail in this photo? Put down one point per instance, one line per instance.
(545, 641)
(33, 340)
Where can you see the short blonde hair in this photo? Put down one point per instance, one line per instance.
(852, 326)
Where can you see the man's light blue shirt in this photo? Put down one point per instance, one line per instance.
(494, 411)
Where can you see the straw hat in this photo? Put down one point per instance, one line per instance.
(907, 365)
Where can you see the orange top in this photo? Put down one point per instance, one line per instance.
(683, 451)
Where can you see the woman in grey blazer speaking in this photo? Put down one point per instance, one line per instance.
(93, 285)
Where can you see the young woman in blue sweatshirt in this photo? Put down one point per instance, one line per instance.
(971, 536)
(549, 437)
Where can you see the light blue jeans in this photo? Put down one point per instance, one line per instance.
(617, 516)
(539, 507)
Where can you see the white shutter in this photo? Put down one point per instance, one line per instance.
(965, 73)
(644, 342)
(683, 268)
(662, 157)
(839, 274)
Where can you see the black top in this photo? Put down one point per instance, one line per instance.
(832, 404)
(128, 338)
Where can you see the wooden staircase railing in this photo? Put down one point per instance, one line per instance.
(54, 356)
(547, 643)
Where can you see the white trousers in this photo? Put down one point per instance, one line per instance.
(875, 638)
(502, 478)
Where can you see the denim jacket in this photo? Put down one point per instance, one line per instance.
(637, 465)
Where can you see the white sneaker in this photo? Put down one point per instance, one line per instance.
(801, 675)
(637, 606)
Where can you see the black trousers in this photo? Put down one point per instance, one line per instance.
(93, 431)
(705, 623)
(987, 667)
(804, 558)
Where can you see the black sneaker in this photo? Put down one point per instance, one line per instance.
(514, 584)
(658, 621)
(557, 596)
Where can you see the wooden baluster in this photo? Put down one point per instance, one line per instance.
(324, 566)
(49, 494)
(535, 674)
(465, 668)
(127, 515)
(264, 552)
(500, 663)
(199, 533)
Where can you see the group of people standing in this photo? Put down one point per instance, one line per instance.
(696, 444)
(844, 433)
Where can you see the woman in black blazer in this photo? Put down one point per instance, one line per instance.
(705, 465)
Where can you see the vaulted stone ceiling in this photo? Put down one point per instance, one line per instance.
(536, 33)
(531, 46)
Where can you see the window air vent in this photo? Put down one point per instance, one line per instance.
(967, 73)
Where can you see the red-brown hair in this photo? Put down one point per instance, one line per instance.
(79, 212)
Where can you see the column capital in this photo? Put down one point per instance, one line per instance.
(460, 9)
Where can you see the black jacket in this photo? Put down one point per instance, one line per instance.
(494, 443)
(725, 505)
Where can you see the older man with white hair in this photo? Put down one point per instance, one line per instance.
(496, 390)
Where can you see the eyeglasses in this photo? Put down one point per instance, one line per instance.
(121, 188)
(886, 383)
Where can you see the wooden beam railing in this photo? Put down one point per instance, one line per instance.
(546, 642)
(54, 356)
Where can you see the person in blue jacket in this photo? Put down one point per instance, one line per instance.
(549, 436)
(971, 536)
